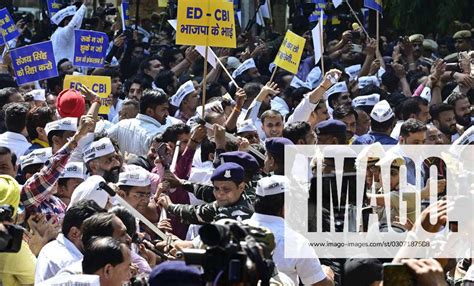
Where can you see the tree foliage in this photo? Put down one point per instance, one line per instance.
(427, 16)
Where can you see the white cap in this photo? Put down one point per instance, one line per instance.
(37, 156)
(248, 64)
(73, 170)
(336, 88)
(366, 100)
(382, 111)
(98, 149)
(297, 83)
(366, 80)
(90, 190)
(135, 178)
(63, 124)
(314, 77)
(466, 138)
(246, 126)
(353, 71)
(38, 94)
(63, 13)
(273, 185)
(185, 89)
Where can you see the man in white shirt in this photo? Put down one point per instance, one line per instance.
(136, 135)
(67, 247)
(269, 213)
(67, 19)
(15, 121)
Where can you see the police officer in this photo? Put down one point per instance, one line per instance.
(231, 202)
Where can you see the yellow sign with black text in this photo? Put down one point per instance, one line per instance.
(291, 50)
(206, 23)
(102, 85)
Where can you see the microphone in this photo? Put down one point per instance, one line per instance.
(107, 188)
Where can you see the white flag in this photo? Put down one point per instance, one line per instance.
(265, 9)
(211, 56)
(317, 34)
(336, 3)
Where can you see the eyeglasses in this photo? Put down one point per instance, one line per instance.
(141, 195)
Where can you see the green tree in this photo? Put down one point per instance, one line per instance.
(426, 16)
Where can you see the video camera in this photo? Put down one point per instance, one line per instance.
(10, 235)
(235, 253)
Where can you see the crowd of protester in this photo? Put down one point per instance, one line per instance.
(180, 169)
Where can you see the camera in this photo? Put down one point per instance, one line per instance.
(10, 235)
(235, 253)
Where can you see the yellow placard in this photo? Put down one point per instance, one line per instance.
(102, 85)
(206, 23)
(162, 3)
(289, 55)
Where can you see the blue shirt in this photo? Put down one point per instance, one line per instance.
(373, 137)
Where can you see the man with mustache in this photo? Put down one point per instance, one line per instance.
(103, 163)
(444, 119)
(462, 108)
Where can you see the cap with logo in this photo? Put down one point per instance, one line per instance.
(246, 126)
(463, 34)
(73, 170)
(64, 124)
(63, 13)
(98, 149)
(38, 94)
(367, 80)
(183, 91)
(366, 100)
(228, 172)
(273, 185)
(37, 156)
(382, 112)
(339, 87)
(135, 178)
(416, 38)
(245, 66)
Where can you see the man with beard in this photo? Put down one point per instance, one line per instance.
(444, 119)
(462, 108)
(103, 165)
(348, 115)
(134, 89)
(149, 69)
(136, 135)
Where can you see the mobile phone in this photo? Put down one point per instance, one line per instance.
(397, 274)
(453, 67)
(356, 48)
(164, 156)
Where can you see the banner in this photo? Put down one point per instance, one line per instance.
(102, 85)
(374, 5)
(289, 55)
(34, 62)
(211, 56)
(90, 48)
(125, 14)
(8, 27)
(53, 7)
(206, 23)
